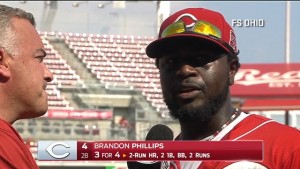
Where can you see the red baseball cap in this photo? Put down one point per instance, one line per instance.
(203, 25)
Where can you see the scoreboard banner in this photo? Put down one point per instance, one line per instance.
(149, 150)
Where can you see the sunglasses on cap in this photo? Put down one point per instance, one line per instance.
(200, 27)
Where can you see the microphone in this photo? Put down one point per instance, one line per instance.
(160, 132)
(157, 132)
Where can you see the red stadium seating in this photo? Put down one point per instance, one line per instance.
(113, 59)
(63, 76)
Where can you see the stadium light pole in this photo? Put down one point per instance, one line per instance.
(288, 32)
(162, 12)
(287, 46)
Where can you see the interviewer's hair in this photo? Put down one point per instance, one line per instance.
(7, 34)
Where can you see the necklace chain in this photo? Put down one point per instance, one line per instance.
(233, 116)
(209, 138)
(228, 122)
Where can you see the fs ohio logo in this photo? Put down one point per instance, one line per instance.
(248, 23)
(57, 150)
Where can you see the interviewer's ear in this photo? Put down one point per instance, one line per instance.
(233, 66)
(4, 70)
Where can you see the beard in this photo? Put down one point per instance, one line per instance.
(202, 113)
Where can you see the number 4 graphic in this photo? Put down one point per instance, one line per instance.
(84, 146)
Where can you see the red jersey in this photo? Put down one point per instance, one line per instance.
(14, 154)
(280, 142)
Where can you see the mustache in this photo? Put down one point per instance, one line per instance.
(189, 83)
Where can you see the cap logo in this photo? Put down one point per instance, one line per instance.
(188, 19)
(232, 40)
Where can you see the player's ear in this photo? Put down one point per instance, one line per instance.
(233, 66)
(4, 67)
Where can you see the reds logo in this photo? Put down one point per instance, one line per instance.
(188, 19)
(250, 77)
